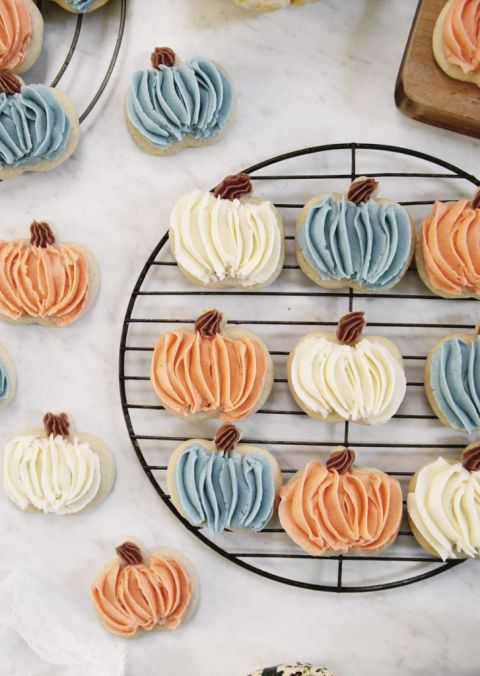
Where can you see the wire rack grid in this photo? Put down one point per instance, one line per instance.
(289, 308)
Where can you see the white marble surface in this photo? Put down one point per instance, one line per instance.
(315, 74)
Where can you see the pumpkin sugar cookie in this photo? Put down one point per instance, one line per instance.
(144, 591)
(227, 237)
(222, 484)
(21, 35)
(316, 507)
(354, 240)
(40, 127)
(211, 371)
(174, 105)
(57, 471)
(456, 40)
(45, 282)
(345, 376)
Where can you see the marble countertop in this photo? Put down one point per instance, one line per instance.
(321, 73)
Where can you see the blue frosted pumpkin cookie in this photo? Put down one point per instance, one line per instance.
(173, 105)
(39, 127)
(452, 381)
(222, 484)
(8, 378)
(294, 669)
(354, 240)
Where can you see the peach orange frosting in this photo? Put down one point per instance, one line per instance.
(451, 247)
(140, 596)
(15, 33)
(192, 373)
(48, 283)
(325, 510)
(461, 35)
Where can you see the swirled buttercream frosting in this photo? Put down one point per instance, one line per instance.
(461, 35)
(15, 33)
(51, 474)
(130, 597)
(80, 6)
(362, 383)
(193, 99)
(222, 490)
(48, 283)
(450, 251)
(324, 511)
(444, 508)
(368, 244)
(216, 240)
(34, 126)
(217, 375)
(4, 382)
(453, 382)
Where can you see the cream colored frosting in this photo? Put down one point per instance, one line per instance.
(361, 383)
(51, 474)
(445, 509)
(219, 239)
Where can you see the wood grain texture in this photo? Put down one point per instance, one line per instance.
(423, 91)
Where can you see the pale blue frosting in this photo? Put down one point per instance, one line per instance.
(168, 104)
(33, 126)
(4, 382)
(369, 244)
(225, 490)
(80, 5)
(455, 382)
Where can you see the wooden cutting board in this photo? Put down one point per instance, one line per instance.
(423, 91)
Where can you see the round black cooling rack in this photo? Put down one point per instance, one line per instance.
(79, 22)
(280, 314)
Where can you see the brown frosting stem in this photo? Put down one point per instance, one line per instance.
(341, 460)
(227, 437)
(476, 200)
(163, 56)
(9, 84)
(41, 234)
(233, 187)
(362, 189)
(130, 554)
(471, 458)
(208, 323)
(56, 425)
(350, 327)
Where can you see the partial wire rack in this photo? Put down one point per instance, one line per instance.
(409, 314)
(80, 21)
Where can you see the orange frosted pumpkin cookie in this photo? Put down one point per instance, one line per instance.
(21, 34)
(335, 508)
(456, 40)
(448, 249)
(211, 371)
(45, 282)
(139, 591)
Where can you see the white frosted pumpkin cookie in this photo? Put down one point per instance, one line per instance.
(444, 507)
(81, 6)
(448, 251)
(174, 105)
(335, 507)
(211, 371)
(452, 380)
(344, 376)
(8, 378)
(456, 40)
(227, 237)
(269, 5)
(143, 591)
(294, 669)
(40, 127)
(222, 484)
(46, 282)
(354, 240)
(54, 470)
(21, 35)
